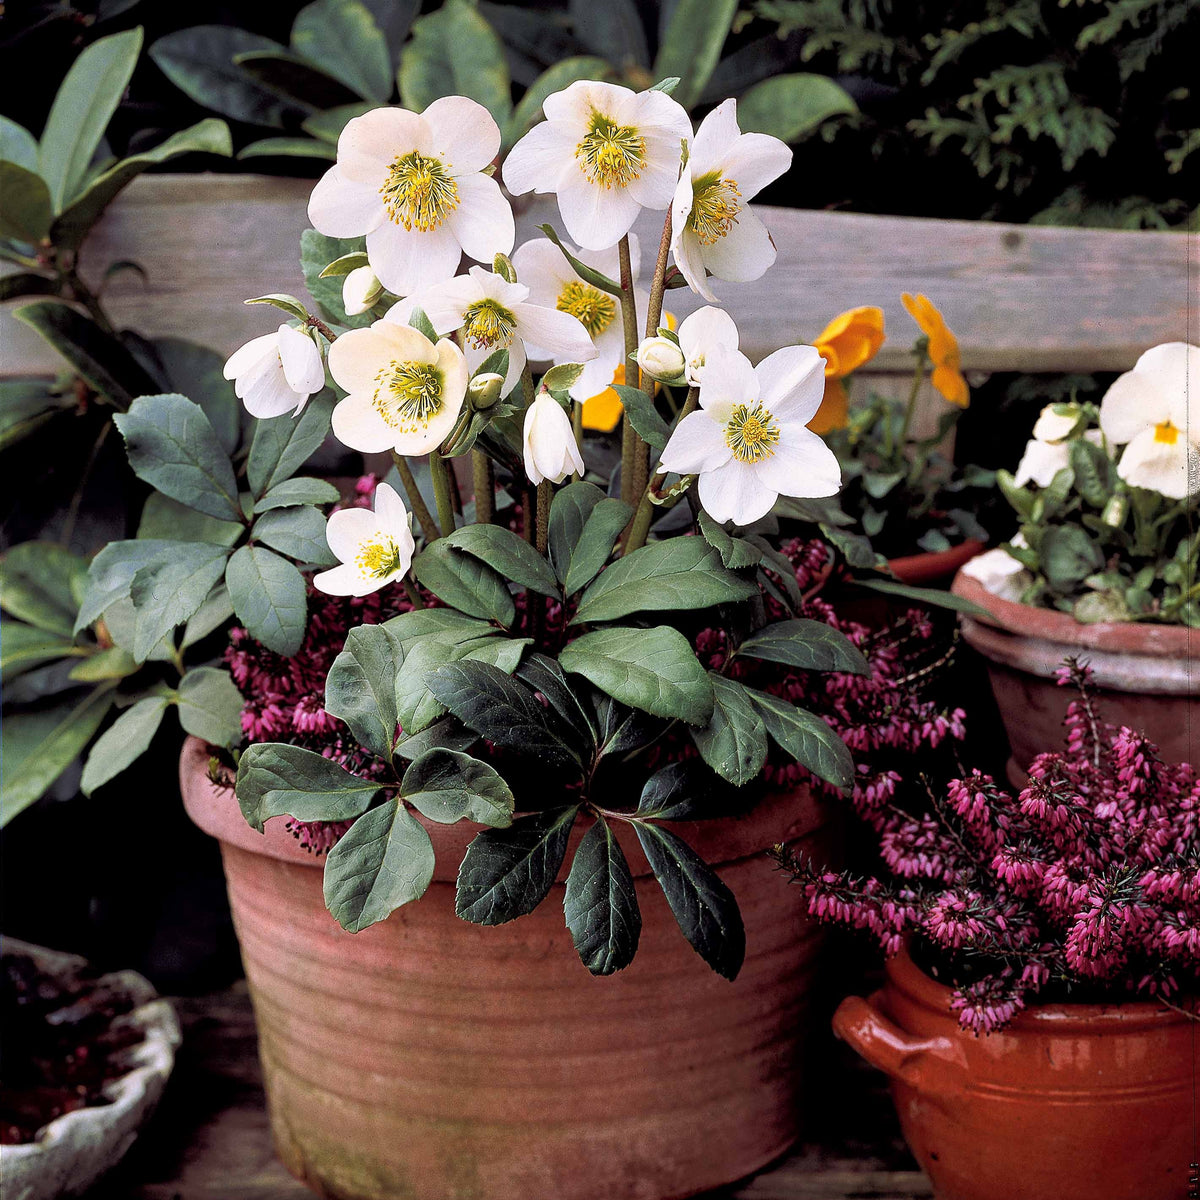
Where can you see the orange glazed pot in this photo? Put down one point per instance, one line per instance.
(426, 1058)
(1145, 675)
(1069, 1102)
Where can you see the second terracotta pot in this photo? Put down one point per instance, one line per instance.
(426, 1058)
(1069, 1102)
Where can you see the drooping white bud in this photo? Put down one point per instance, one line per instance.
(549, 442)
(360, 289)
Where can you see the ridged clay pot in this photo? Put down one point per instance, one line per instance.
(1146, 675)
(1069, 1102)
(426, 1058)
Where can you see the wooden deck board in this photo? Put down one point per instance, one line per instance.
(210, 1138)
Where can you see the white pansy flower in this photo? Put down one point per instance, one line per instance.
(712, 226)
(493, 314)
(700, 334)
(1000, 573)
(748, 441)
(373, 548)
(405, 393)
(549, 442)
(607, 152)
(414, 185)
(552, 283)
(1043, 460)
(276, 373)
(360, 289)
(1054, 426)
(1147, 411)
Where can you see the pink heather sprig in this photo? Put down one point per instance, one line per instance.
(1085, 885)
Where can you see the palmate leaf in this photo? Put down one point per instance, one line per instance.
(210, 706)
(275, 779)
(125, 740)
(806, 737)
(600, 904)
(643, 416)
(167, 592)
(464, 582)
(281, 446)
(512, 556)
(269, 597)
(570, 510)
(297, 531)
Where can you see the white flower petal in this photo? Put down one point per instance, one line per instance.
(462, 133)
(597, 374)
(596, 217)
(358, 425)
(701, 333)
(791, 382)
(541, 267)
(689, 258)
(746, 252)
(999, 573)
(453, 365)
(755, 160)
(658, 115)
(248, 357)
(391, 512)
(445, 304)
(697, 444)
(302, 365)
(348, 528)
(578, 100)
(340, 208)
(548, 442)
(608, 260)
(347, 580)
(1170, 468)
(540, 158)
(1053, 427)
(379, 137)
(729, 379)
(558, 333)
(1041, 462)
(714, 139)
(1134, 402)
(483, 220)
(408, 260)
(516, 364)
(657, 180)
(735, 493)
(266, 393)
(356, 358)
(802, 464)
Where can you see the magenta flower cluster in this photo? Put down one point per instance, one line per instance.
(1085, 885)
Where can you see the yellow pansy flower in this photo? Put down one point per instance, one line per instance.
(947, 375)
(851, 339)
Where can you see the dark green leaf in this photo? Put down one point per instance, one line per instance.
(26, 405)
(1069, 555)
(111, 573)
(328, 126)
(125, 740)
(569, 510)
(703, 906)
(931, 597)
(288, 147)
(683, 791)
(544, 675)
(113, 663)
(734, 742)
(807, 738)
(810, 645)
(23, 647)
(281, 445)
(172, 446)
(198, 373)
(25, 208)
(645, 418)
(612, 29)
(298, 532)
(512, 556)
(17, 144)
(393, 19)
(210, 706)
(167, 519)
(384, 860)
(290, 76)
(269, 597)
(166, 593)
(555, 79)
(464, 582)
(444, 623)
(43, 583)
(600, 904)
(341, 37)
(791, 107)
(275, 780)
(360, 688)
(1095, 475)
(446, 734)
(25, 283)
(691, 45)
(316, 252)
(447, 786)
(655, 670)
(680, 573)
(507, 873)
(736, 553)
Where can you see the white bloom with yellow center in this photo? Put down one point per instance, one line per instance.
(552, 283)
(373, 548)
(1147, 410)
(607, 152)
(706, 330)
(405, 393)
(748, 441)
(492, 314)
(549, 442)
(276, 373)
(414, 185)
(712, 226)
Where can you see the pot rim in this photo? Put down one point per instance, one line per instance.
(1124, 1016)
(933, 564)
(1047, 624)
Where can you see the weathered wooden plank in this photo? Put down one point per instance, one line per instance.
(1019, 297)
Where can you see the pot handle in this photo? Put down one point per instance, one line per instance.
(927, 1064)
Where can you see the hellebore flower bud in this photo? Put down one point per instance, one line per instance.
(360, 289)
(662, 359)
(484, 390)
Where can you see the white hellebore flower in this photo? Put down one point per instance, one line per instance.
(1043, 460)
(414, 185)
(494, 314)
(550, 449)
(1147, 411)
(276, 373)
(700, 334)
(374, 548)
(748, 441)
(607, 152)
(405, 393)
(360, 289)
(661, 358)
(1000, 573)
(711, 226)
(552, 283)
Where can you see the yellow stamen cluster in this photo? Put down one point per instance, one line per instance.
(611, 155)
(488, 324)
(716, 203)
(751, 433)
(1166, 433)
(595, 310)
(378, 558)
(408, 395)
(419, 193)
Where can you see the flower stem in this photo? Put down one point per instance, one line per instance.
(909, 408)
(441, 492)
(632, 446)
(484, 478)
(545, 494)
(529, 514)
(658, 285)
(577, 429)
(414, 597)
(639, 527)
(415, 500)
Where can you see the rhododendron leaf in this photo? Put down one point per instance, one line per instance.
(507, 873)
(270, 598)
(447, 786)
(791, 106)
(734, 742)
(167, 592)
(125, 740)
(510, 555)
(43, 583)
(680, 573)
(807, 738)
(464, 582)
(810, 645)
(210, 706)
(360, 688)
(930, 597)
(26, 212)
(301, 490)
(652, 669)
(600, 904)
(384, 860)
(643, 416)
(172, 445)
(282, 445)
(341, 37)
(275, 780)
(736, 553)
(691, 45)
(703, 906)
(298, 532)
(503, 710)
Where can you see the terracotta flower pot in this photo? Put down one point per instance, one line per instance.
(934, 569)
(1144, 674)
(1070, 1102)
(431, 1059)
